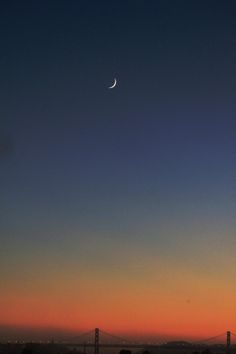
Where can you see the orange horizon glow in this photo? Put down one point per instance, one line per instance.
(173, 333)
(179, 304)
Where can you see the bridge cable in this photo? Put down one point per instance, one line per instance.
(81, 335)
(208, 339)
(114, 336)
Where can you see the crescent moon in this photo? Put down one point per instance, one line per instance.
(114, 84)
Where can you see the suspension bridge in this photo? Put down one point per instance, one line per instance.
(92, 339)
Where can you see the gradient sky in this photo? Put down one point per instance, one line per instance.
(118, 206)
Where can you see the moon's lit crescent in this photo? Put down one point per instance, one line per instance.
(114, 84)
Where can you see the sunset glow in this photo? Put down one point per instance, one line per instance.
(117, 168)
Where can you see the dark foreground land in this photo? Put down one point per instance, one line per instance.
(52, 348)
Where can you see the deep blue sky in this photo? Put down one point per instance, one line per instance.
(149, 165)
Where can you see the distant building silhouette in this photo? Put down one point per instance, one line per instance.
(146, 352)
(27, 351)
(206, 351)
(125, 351)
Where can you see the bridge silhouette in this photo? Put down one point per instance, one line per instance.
(92, 339)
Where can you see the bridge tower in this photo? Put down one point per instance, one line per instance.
(228, 342)
(96, 343)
